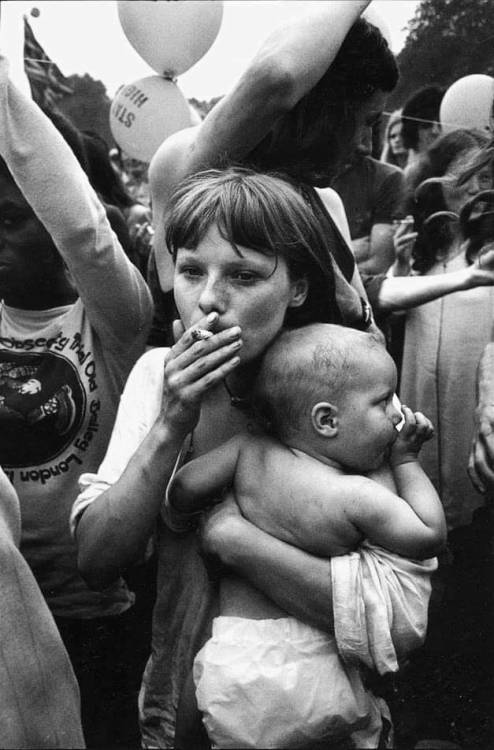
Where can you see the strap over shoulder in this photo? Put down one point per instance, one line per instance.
(354, 311)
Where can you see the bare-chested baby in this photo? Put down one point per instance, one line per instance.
(326, 396)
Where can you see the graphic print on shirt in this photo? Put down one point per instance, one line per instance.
(42, 405)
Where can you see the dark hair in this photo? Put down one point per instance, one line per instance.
(420, 111)
(309, 141)
(434, 227)
(102, 174)
(264, 213)
(477, 222)
(4, 170)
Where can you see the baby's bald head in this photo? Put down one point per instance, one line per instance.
(304, 366)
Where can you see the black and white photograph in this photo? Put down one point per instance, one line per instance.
(247, 392)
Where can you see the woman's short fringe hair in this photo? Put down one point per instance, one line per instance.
(262, 212)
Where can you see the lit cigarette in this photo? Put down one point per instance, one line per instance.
(200, 334)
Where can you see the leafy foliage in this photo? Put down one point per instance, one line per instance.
(447, 39)
(89, 106)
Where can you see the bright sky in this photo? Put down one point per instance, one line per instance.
(86, 37)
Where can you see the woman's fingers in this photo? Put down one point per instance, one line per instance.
(178, 330)
(184, 338)
(203, 372)
(405, 242)
(202, 354)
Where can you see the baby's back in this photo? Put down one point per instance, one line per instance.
(293, 497)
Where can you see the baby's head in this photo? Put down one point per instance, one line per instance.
(329, 390)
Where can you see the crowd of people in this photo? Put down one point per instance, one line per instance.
(246, 449)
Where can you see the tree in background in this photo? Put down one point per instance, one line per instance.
(447, 39)
(88, 106)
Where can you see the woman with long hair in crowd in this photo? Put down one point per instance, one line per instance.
(394, 151)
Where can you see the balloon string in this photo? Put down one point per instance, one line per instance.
(170, 77)
(421, 119)
(414, 119)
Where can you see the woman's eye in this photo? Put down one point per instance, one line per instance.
(190, 271)
(245, 276)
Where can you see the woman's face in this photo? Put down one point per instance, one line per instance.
(252, 291)
(455, 195)
(395, 139)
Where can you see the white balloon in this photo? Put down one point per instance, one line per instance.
(146, 112)
(468, 104)
(171, 35)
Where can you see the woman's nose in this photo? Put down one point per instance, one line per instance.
(213, 297)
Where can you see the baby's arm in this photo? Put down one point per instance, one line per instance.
(202, 481)
(413, 524)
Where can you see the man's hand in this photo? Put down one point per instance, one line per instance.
(481, 460)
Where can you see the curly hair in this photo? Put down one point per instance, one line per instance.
(433, 222)
(419, 111)
(319, 131)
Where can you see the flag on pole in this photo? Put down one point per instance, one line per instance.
(48, 84)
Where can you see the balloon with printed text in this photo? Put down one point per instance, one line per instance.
(146, 112)
(171, 35)
(468, 103)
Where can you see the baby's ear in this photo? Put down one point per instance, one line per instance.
(324, 418)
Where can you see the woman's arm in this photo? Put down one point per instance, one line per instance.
(297, 582)
(403, 292)
(159, 408)
(52, 181)
(334, 206)
(287, 66)
(374, 602)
